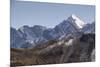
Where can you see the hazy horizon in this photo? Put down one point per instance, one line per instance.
(47, 14)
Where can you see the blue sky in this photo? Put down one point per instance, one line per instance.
(47, 14)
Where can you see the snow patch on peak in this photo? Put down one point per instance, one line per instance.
(73, 16)
(21, 29)
(77, 21)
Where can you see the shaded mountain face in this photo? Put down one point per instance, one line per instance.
(16, 39)
(31, 36)
(89, 28)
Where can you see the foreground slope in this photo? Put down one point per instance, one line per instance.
(68, 50)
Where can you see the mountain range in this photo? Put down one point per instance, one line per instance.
(27, 37)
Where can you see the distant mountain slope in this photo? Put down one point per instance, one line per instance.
(89, 28)
(16, 40)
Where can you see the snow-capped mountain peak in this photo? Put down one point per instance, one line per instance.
(76, 21)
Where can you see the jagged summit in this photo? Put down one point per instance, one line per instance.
(76, 21)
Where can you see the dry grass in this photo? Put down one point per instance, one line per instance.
(34, 56)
